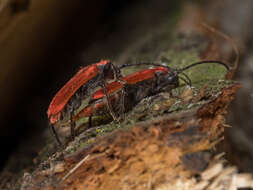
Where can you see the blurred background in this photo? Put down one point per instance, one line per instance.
(43, 43)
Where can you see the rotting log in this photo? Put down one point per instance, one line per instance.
(172, 151)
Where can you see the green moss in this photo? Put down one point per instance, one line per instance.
(204, 72)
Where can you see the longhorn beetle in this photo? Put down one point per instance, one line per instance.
(80, 86)
(138, 85)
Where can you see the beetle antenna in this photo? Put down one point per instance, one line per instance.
(185, 81)
(188, 81)
(203, 62)
(142, 63)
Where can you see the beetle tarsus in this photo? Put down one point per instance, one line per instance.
(55, 134)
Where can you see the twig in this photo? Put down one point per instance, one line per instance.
(75, 168)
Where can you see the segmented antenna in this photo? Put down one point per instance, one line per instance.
(202, 62)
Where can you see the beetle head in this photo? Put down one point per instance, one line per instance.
(106, 68)
(165, 81)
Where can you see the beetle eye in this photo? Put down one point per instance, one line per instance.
(107, 69)
(170, 78)
(107, 66)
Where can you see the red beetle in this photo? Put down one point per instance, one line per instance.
(137, 86)
(79, 87)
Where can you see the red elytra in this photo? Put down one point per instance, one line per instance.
(115, 86)
(89, 110)
(68, 90)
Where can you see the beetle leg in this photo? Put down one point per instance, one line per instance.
(116, 72)
(72, 125)
(55, 134)
(117, 77)
(90, 121)
(108, 102)
(122, 101)
(122, 104)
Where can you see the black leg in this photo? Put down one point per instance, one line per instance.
(90, 121)
(72, 125)
(55, 134)
(122, 102)
(116, 72)
(108, 102)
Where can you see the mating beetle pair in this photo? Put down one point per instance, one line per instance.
(116, 97)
